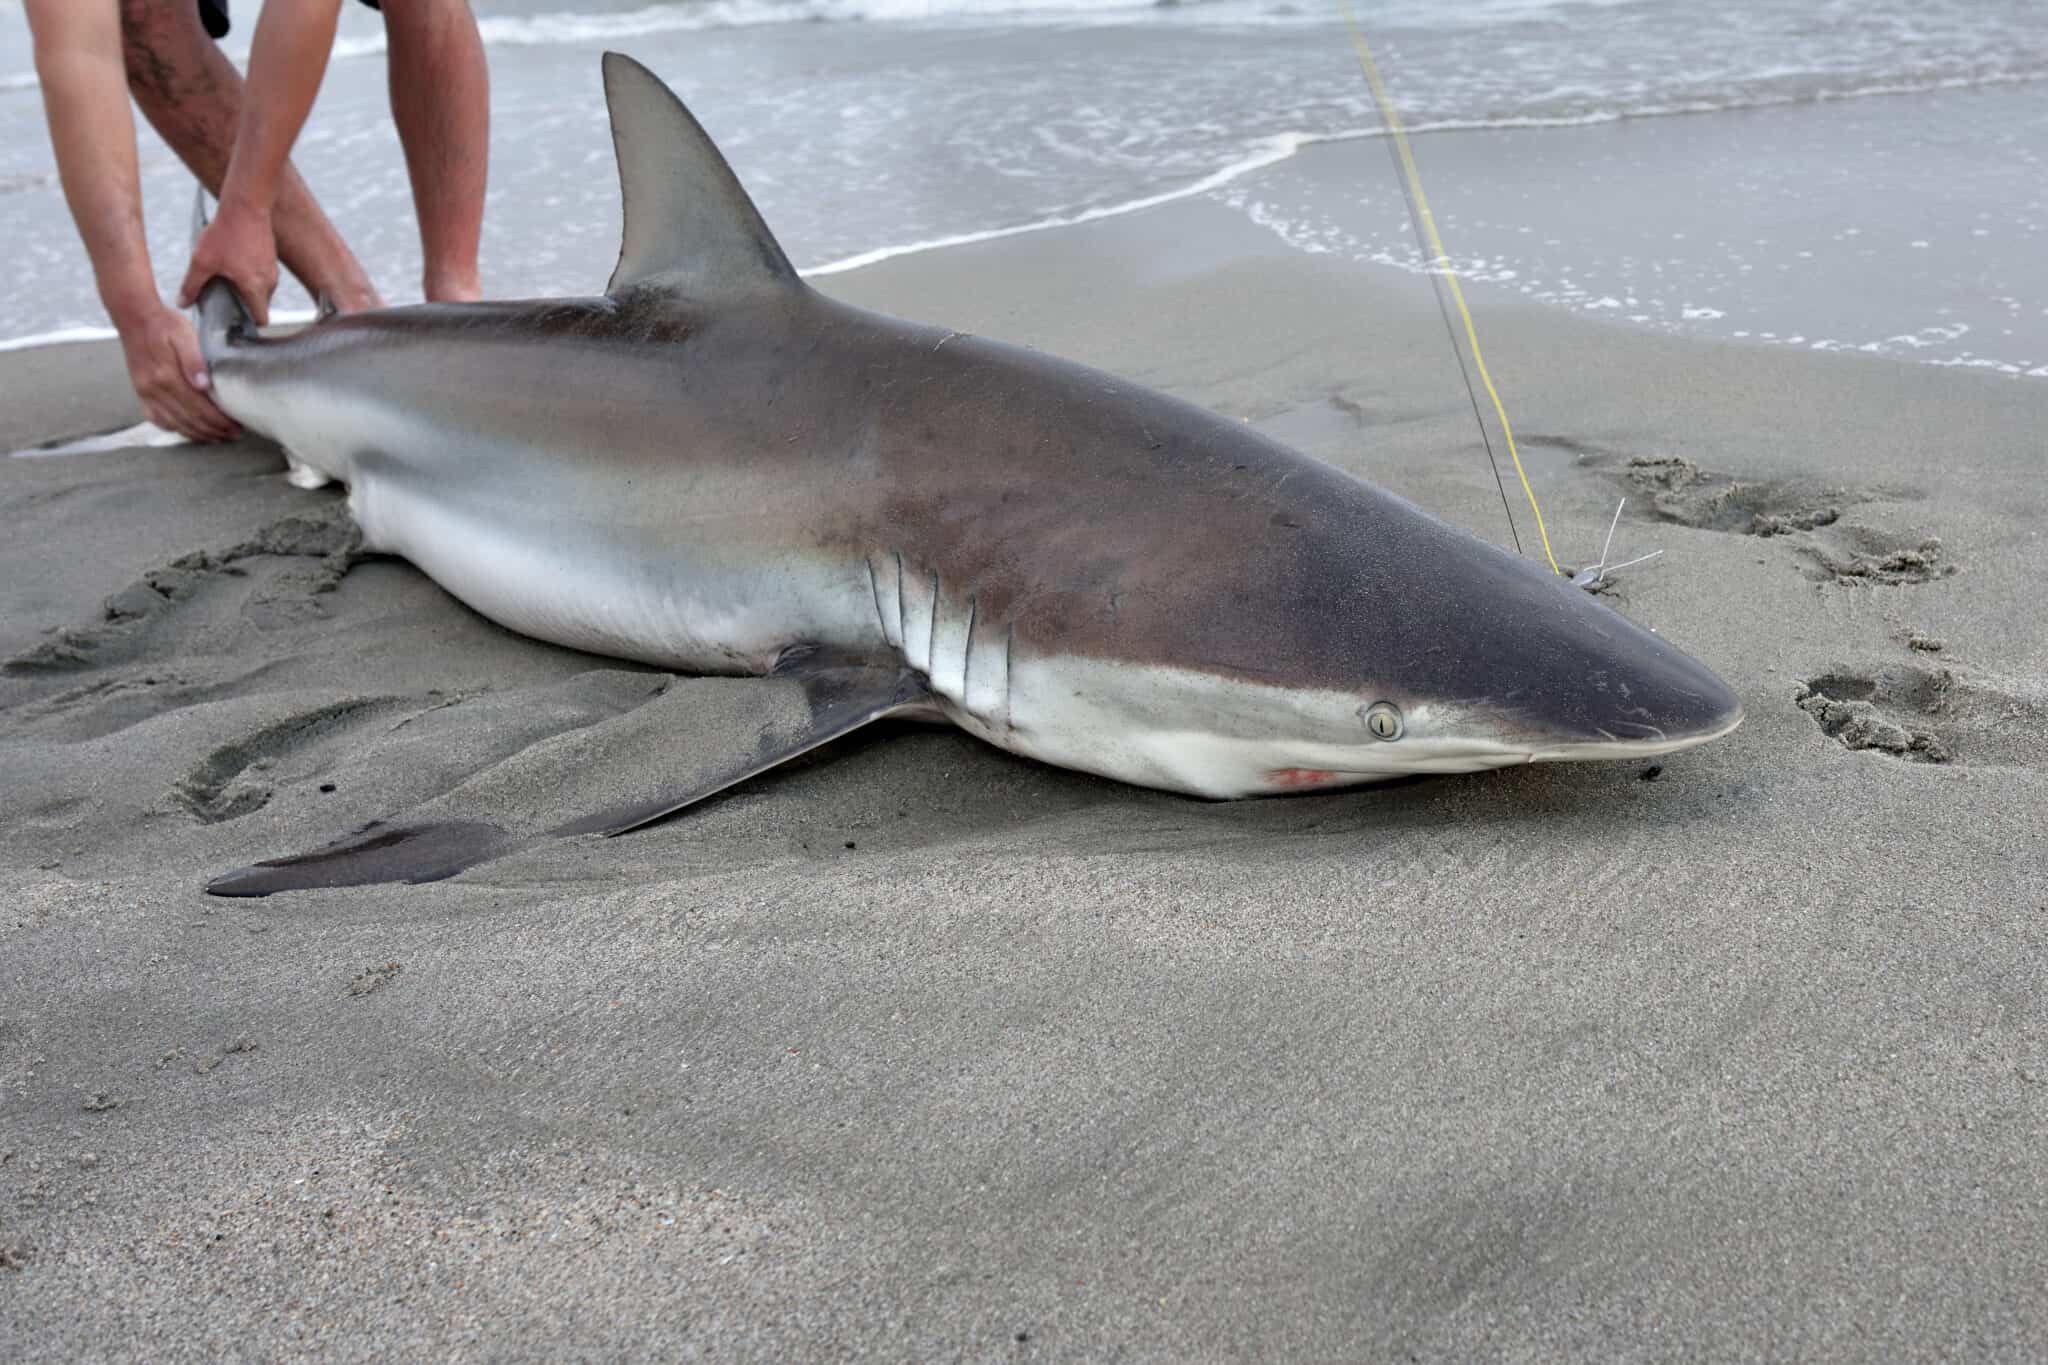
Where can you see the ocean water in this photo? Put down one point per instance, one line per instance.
(1811, 173)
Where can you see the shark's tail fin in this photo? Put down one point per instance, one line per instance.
(220, 314)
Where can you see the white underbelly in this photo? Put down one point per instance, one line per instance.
(624, 593)
(498, 525)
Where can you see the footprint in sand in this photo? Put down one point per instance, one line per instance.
(1677, 490)
(231, 781)
(1810, 515)
(273, 585)
(1860, 556)
(1930, 715)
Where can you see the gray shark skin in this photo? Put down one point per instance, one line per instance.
(716, 469)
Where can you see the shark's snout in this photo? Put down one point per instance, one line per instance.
(1691, 708)
(1518, 661)
(1604, 686)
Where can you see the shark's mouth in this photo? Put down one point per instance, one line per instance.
(1474, 755)
(1625, 747)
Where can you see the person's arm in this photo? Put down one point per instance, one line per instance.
(188, 89)
(85, 95)
(286, 63)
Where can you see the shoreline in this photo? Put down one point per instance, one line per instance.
(1299, 150)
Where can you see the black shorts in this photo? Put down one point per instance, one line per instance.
(214, 14)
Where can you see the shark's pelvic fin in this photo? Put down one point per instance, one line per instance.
(811, 701)
(689, 225)
(376, 854)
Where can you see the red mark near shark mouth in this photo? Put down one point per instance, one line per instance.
(1301, 777)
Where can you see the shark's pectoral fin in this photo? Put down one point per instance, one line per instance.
(626, 768)
(841, 698)
(689, 225)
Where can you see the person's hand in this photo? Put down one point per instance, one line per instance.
(238, 246)
(170, 376)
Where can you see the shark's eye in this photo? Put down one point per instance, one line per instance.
(1383, 718)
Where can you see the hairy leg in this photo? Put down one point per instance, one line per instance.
(192, 95)
(441, 101)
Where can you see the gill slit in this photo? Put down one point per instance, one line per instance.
(967, 653)
(902, 632)
(875, 588)
(931, 636)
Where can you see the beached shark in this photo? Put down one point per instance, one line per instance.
(716, 469)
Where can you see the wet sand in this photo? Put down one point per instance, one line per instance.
(916, 1050)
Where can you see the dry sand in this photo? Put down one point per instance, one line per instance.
(919, 1051)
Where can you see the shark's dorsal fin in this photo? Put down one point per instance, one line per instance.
(689, 225)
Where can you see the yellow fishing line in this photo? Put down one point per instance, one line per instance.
(1443, 259)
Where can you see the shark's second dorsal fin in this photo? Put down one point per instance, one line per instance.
(689, 225)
